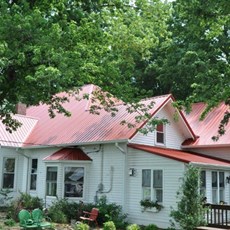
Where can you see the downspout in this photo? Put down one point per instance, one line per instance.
(24, 155)
(125, 152)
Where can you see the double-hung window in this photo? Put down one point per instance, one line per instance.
(8, 173)
(203, 183)
(152, 184)
(218, 188)
(33, 174)
(160, 134)
(51, 181)
(74, 182)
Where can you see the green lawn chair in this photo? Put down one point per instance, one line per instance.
(38, 218)
(25, 220)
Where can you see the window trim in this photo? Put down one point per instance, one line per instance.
(3, 167)
(160, 132)
(31, 173)
(152, 189)
(84, 180)
(53, 166)
(218, 189)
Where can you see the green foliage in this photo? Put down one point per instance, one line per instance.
(133, 227)
(65, 210)
(190, 211)
(109, 225)
(81, 226)
(24, 201)
(111, 212)
(9, 222)
(51, 46)
(151, 227)
(150, 204)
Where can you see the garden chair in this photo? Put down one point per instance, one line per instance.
(25, 220)
(38, 218)
(90, 217)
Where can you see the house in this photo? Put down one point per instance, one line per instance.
(87, 155)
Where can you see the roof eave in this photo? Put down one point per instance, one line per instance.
(205, 146)
(75, 144)
(211, 166)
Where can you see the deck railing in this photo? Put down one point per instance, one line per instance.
(218, 215)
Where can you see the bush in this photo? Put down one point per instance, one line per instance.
(9, 222)
(111, 212)
(151, 227)
(81, 226)
(133, 227)
(65, 208)
(190, 210)
(109, 225)
(25, 201)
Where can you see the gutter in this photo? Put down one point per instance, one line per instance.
(210, 166)
(74, 144)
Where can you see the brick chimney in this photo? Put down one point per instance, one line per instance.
(21, 108)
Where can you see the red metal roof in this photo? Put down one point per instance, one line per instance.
(18, 137)
(179, 155)
(84, 127)
(73, 154)
(208, 127)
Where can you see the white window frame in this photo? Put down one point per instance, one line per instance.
(152, 193)
(6, 172)
(73, 185)
(160, 132)
(33, 172)
(203, 184)
(218, 192)
(51, 182)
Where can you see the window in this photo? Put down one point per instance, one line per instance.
(8, 173)
(203, 183)
(33, 174)
(74, 181)
(51, 181)
(217, 187)
(160, 139)
(152, 184)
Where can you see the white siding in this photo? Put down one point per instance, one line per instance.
(172, 174)
(107, 169)
(174, 132)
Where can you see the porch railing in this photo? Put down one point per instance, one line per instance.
(218, 215)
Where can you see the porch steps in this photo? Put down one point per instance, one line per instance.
(208, 228)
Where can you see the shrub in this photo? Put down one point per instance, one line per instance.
(57, 216)
(133, 227)
(111, 212)
(109, 225)
(81, 226)
(9, 222)
(190, 210)
(71, 210)
(25, 201)
(151, 227)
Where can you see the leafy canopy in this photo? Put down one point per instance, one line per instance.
(52, 46)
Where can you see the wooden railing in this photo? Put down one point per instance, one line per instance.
(218, 215)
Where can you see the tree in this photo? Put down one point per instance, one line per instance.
(190, 210)
(52, 46)
(194, 65)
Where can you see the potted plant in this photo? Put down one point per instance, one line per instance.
(150, 205)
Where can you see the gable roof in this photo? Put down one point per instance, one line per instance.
(182, 156)
(208, 127)
(82, 126)
(73, 154)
